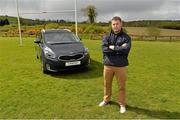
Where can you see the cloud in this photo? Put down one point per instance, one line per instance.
(109, 6)
(127, 9)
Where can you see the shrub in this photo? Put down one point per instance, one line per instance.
(93, 29)
(52, 26)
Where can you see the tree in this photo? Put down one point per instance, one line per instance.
(1, 22)
(90, 11)
(6, 22)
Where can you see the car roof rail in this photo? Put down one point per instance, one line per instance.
(43, 30)
(67, 30)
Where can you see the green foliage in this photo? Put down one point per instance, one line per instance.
(94, 29)
(108, 28)
(168, 24)
(172, 26)
(13, 25)
(91, 12)
(4, 22)
(52, 26)
(12, 20)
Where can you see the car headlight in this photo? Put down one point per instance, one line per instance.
(49, 53)
(86, 50)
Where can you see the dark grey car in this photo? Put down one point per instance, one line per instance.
(60, 50)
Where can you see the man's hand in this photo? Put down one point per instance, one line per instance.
(124, 45)
(111, 47)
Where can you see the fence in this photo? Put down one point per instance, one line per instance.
(155, 38)
(136, 37)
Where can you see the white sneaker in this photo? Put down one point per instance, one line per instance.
(122, 109)
(103, 103)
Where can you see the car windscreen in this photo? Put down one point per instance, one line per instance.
(60, 37)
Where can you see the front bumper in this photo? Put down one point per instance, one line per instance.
(55, 65)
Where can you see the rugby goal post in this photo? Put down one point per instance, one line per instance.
(44, 12)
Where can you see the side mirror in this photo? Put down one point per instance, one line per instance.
(37, 41)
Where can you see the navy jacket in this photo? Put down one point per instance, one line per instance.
(119, 56)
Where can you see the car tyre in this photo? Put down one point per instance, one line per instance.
(44, 69)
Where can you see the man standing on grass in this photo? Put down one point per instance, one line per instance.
(116, 46)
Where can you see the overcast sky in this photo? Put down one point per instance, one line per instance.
(128, 10)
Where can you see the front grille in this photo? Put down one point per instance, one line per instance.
(71, 57)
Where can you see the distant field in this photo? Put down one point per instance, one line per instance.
(153, 85)
(143, 31)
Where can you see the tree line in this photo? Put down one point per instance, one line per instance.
(90, 12)
(4, 22)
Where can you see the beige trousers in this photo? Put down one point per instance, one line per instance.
(120, 73)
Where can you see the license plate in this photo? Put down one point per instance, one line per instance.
(72, 63)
